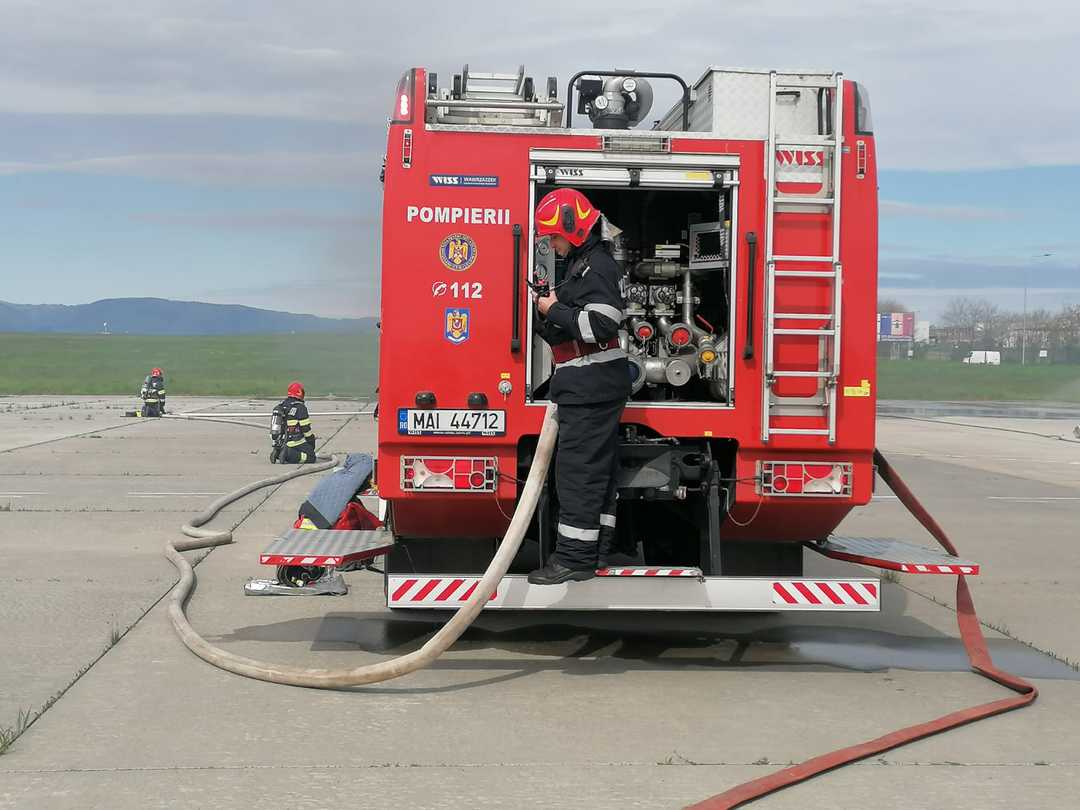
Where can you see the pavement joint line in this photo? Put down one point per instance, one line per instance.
(1004, 630)
(58, 696)
(73, 436)
(678, 761)
(982, 427)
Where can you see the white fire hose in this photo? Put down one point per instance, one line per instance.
(370, 673)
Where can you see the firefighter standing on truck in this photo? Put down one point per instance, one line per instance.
(297, 442)
(152, 393)
(580, 318)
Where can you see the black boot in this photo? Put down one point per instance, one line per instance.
(555, 572)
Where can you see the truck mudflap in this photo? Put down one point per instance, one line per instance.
(670, 592)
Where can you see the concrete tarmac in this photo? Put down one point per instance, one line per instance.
(549, 710)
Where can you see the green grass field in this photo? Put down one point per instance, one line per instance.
(241, 365)
(262, 365)
(942, 380)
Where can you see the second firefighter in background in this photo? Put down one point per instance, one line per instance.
(297, 441)
(580, 319)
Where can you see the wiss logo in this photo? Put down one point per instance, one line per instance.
(793, 157)
(572, 172)
(446, 179)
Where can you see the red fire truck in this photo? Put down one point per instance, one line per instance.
(745, 220)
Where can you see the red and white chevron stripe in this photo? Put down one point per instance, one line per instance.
(641, 571)
(435, 591)
(290, 559)
(825, 594)
(913, 568)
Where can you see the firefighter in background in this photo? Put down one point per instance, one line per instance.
(296, 443)
(580, 318)
(152, 393)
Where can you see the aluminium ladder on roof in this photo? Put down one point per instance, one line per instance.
(781, 268)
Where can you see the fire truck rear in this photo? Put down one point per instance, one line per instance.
(746, 226)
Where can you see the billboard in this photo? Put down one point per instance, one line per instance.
(896, 326)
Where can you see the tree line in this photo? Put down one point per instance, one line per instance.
(977, 323)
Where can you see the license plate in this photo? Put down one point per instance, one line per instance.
(448, 422)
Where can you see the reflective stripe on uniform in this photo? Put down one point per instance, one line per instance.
(605, 356)
(304, 422)
(607, 310)
(607, 520)
(574, 533)
(292, 421)
(585, 326)
(296, 442)
(303, 457)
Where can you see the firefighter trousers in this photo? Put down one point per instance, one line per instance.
(301, 454)
(586, 462)
(151, 409)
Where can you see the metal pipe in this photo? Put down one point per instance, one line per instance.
(688, 308)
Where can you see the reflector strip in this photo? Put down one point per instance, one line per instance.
(638, 571)
(939, 569)
(825, 594)
(404, 589)
(639, 588)
(434, 591)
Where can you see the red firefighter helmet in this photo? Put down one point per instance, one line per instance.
(156, 373)
(296, 390)
(568, 213)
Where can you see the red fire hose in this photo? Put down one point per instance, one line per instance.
(978, 655)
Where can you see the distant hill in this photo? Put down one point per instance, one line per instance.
(159, 316)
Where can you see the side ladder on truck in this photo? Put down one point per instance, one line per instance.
(783, 271)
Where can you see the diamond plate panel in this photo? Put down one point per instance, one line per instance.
(328, 542)
(895, 554)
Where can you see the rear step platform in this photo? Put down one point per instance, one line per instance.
(896, 555)
(641, 592)
(326, 547)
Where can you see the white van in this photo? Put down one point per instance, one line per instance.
(983, 358)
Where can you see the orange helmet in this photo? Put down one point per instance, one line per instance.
(296, 390)
(568, 213)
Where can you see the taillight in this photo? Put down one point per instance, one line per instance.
(402, 113)
(406, 149)
(644, 332)
(449, 474)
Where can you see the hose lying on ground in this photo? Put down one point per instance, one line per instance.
(202, 418)
(978, 655)
(370, 673)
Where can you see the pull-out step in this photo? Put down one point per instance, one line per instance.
(640, 592)
(896, 555)
(326, 547)
(647, 571)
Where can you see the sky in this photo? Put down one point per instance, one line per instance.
(229, 152)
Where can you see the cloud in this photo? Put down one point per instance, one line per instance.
(899, 275)
(259, 220)
(944, 96)
(964, 213)
(339, 170)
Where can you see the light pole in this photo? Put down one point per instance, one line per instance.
(1023, 335)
